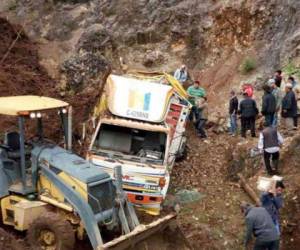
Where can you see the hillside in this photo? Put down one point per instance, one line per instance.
(67, 48)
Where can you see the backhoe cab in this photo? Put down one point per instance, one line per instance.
(55, 195)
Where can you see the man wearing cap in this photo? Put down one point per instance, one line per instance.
(181, 74)
(276, 92)
(259, 223)
(289, 107)
(195, 92)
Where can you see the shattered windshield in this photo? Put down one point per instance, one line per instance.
(131, 144)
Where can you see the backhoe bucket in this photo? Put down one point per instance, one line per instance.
(136, 232)
(139, 234)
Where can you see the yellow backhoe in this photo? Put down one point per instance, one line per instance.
(55, 195)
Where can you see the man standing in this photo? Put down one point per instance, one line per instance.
(289, 107)
(269, 143)
(233, 110)
(248, 111)
(276, 92)
(268, 105)
(292, 81)
(201, 103)
(272, 201)
(181, 74)
(297, 95)
(194, 92)
(260, 224)
(278, 78)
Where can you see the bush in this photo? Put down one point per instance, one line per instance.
(248, 65)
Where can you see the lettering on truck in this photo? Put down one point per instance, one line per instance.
(138, 114)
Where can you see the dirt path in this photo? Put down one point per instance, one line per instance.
(214, 222)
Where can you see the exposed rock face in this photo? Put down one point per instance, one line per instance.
(211, 37)
(162, 34)
(80, 39)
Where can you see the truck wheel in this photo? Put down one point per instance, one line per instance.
(51, 232)
(182, 153)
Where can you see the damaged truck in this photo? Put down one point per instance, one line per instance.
(141, 126)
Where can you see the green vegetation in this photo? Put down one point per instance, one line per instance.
(292, 69)
(248, 65)
(12, 6)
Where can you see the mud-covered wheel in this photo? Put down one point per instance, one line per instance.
(182, 152)
(51, 232)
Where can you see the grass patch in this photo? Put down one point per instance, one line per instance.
(12, 6)
(248, 65)
(292, 69)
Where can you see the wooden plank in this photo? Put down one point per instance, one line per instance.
(249, 190)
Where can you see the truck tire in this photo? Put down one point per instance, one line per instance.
(182, 152)
(51, 231)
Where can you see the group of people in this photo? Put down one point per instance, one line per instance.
(197, 97)
(262, 221)
(273, 103)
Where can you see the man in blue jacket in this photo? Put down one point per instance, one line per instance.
(272, 201)
(259, 223)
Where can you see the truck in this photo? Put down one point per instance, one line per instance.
(141, 126)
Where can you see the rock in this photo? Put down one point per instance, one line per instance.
(188, 196)
(85, 69)
(153, 58)
(95, 39)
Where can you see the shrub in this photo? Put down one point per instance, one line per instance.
(248, 65)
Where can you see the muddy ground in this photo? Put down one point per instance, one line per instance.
(213, 222)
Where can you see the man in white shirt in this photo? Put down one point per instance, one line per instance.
(181, 74)
(270, 141)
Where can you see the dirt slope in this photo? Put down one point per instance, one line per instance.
(214, 222)
(22, 74)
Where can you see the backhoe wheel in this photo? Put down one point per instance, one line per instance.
(51, 232)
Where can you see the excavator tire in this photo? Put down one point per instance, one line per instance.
(51, 231)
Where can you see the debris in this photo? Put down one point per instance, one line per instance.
(249, 190)
(185, 196)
